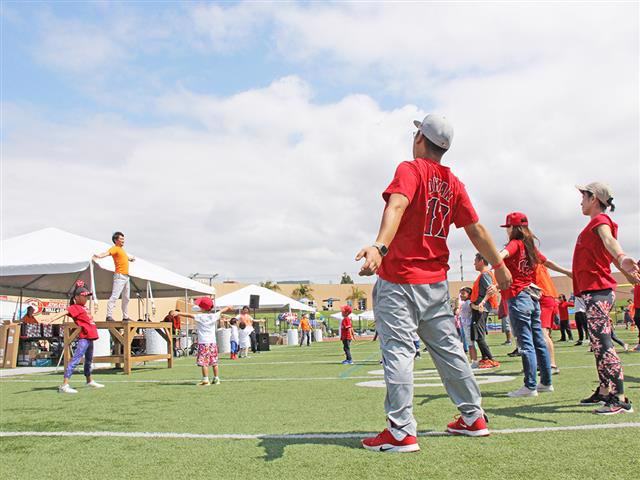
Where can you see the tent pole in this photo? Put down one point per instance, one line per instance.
(94, 296)
(186, 332)
(146, 304)
(20, 309)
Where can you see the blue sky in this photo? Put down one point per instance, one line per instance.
(255, 138)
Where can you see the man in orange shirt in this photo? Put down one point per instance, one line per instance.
(120, 277)
(305, 328)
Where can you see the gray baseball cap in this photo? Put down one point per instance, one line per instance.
(600, 190)
(437, 129)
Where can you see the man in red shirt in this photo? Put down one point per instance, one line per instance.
(411, 295)
(347, 334)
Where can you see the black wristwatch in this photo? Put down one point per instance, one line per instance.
(382, 248)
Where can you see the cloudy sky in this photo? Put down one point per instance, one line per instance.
(253, 140)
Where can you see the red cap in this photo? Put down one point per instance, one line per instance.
(346, 309)
(516, 219)
(205, 303)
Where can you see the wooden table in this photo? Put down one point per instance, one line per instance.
(122, 334)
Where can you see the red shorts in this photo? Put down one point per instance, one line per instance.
(207, 354)
(547, 304)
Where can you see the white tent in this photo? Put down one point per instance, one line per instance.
(46, 264)
(368, 315)
(268, 299)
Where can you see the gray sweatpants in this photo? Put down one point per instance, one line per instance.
(401, 310)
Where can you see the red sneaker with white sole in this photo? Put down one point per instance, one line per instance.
(478, 429)
(386, 442)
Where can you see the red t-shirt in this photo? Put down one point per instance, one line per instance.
(418, 254)
(591, 260)
(563, 310)
(636, 295)
(82, 318)
(345, 329)
(522, 273)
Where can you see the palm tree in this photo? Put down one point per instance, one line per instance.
(356, 295)
(270, 285)
(303, 291)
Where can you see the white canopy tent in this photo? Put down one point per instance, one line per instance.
(268, 299)
(367, 315)
(46, 264)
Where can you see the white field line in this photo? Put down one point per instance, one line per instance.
(177, 382)
(302, 436)
(419, 374)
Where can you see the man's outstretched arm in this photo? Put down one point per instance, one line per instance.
(481, 239)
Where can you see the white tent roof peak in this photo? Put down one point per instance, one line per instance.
(47, 262)
(268, 299)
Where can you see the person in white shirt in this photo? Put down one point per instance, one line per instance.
(464, 314)
(206, 326)
(581, 319)
(235, 339)
(245, 339)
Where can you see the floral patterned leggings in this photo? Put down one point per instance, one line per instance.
(598, 304)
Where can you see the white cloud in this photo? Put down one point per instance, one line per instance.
(270, 183)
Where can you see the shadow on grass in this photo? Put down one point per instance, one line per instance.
(540, 410)
(274, 447)
(631, 382)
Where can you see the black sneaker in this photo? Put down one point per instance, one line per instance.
(594, 399)
(578, 343)
(615, 405)
(515, 353)
(109, 319)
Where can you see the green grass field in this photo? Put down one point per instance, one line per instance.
(293, 390)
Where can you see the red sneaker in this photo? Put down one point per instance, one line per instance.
(495, 363)
(486, 363)
(385, 442)
(478, 429)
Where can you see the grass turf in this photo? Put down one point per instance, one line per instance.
(306, 390)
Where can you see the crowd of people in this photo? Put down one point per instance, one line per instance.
(412, 303)
(410, 257)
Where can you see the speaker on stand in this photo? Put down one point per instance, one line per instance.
(254, 304)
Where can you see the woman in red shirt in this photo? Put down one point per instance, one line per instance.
(596, 248)
(88, 333)
(521, 258)
(563, 313)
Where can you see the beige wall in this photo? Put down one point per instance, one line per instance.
(323, 291)
(319, 292)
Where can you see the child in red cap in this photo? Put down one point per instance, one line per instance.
(206, 327)
(88, 333)
(346, 334)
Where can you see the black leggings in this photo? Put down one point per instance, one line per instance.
(615, 338)
(346, 346)
(581, 325)
(479, 333)
(636, 318)
(565, 330)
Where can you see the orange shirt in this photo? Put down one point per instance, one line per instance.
(121, 259)
(29, 319)
(304, 325)
(543, 280)
(475, 290)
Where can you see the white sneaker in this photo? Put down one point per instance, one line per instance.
(555, 370)
(216, 380)
(94, 384)
(474, 364)
(541, 388)
(66, 389)
(523, 392)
